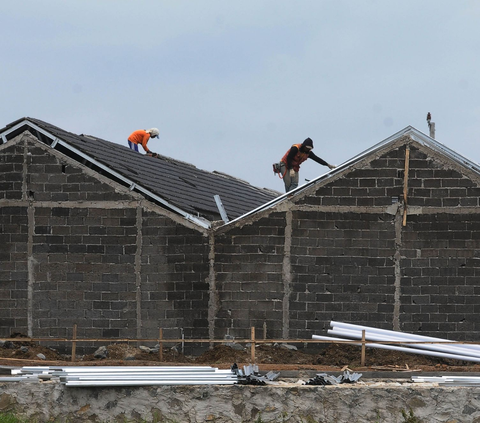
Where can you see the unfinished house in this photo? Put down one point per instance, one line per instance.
(121, 244)
(97, 235)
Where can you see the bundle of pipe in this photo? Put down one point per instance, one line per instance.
(87, 376)
(449, 380)
(464, 352)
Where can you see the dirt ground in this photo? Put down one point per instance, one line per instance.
(333, 357)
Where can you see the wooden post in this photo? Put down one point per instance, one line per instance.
(405, 184)
(362, 361)
(160, 343)
(252, 345)
(74, 343)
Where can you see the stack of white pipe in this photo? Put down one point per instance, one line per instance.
(348, 331)
(449, 380)
(88, 376)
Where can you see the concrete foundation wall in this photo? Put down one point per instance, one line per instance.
(198, 404)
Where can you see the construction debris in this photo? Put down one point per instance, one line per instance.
(324, 379)
(250, 375)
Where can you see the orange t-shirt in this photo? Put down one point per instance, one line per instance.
(140, 137)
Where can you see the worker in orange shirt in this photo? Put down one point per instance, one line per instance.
(141, 137)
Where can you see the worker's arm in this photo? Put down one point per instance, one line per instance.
(317, 159)
(291, 156)
(145, 139)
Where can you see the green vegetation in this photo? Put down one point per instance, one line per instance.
(11, 418)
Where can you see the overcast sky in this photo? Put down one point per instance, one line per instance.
(231, 85)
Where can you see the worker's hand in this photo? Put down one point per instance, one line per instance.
(151, 153)
(332, 166)
(292, 173)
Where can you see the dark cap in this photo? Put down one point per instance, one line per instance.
(307, 143)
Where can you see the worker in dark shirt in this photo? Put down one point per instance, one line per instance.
(296, 155)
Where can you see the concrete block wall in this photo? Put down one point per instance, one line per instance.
(423, 278)
(79, 250)
(11, 168)
(342, 269)
(441, 252)
(13, 270)
(249, 278)
(13, 243)
(174, 279)
(440, 281)
(350, 258)
(346, 236)
(85, 272)
(76, 248)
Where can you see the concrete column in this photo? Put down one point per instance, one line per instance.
(287, 274)
(31, 231)
(398, 270)
(138, 270)
(213, 294)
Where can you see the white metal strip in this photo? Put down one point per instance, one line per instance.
(221, 209)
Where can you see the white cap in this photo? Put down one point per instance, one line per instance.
(153, 132)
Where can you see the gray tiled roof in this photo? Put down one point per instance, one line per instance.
(181, 184)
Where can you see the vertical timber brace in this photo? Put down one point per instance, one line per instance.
(400, 221)
(405, 184)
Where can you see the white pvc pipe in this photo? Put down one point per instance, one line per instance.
(403, 335)
(399, 337)
(86, 384)
(404, 349)
(376, 336)
(382, 337)
(110, 369)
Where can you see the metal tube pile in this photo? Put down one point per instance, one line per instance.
(449, 380)
(442, 349)
(89, 376)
